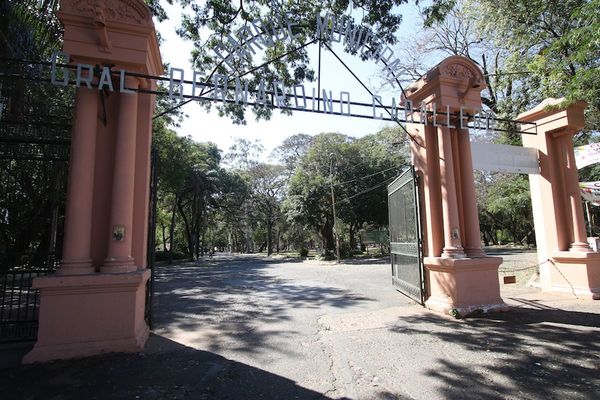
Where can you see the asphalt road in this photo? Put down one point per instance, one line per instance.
(249, 328)
(344, 332)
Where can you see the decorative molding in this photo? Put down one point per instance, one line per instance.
(130, 11)
(460, 71)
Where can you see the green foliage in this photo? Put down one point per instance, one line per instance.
(505, 209)
(32, 192)
(325, 256)
(220, 26)
(358, 169)
(166, 256)
(267, 183)
(292, 150)
(29, 29)
(556, 44)
(528, 50)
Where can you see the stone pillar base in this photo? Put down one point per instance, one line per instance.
(464, 286)
(85, 315)
(575, 273)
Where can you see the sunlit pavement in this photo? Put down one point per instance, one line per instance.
(343, 331)
(250, 327)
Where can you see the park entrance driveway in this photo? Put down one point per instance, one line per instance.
(342, 331)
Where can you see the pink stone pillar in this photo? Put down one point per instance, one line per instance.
(83, 314)
(76, 257)
(579, 238)
(559, 163)
(452, 241)
(568, 266)
(456, 282)
(119, 257)
(471, 216)
(433, 197)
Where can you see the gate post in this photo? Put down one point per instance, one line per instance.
(568, 265)
(95, 302)
(460, 277)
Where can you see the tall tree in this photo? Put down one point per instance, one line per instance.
(238, 38)
(267, 184)
(291, 151)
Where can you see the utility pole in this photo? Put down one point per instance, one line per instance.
(335, 233)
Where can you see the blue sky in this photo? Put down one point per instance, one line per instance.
(208, 126)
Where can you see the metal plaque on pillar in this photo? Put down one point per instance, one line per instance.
(494, 157)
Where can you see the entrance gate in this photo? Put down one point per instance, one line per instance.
(405, 236)
(107, 213)
(34, 154)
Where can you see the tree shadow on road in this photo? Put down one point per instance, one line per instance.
(236, 303)
(541, 353)
(165, 370)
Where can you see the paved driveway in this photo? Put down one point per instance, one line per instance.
(245, 328)
(343, 331)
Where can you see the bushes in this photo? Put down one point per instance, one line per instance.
(345, 250)
(303, 252)
(164, 255)
(327, 256)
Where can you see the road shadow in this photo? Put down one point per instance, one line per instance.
(527, 353)
(165, 370)
(235, 303)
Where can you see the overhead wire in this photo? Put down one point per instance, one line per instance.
(366, 190)
(412, 138)
(366, 176)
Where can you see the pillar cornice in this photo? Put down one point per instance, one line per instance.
(455, 82)
(122, 33)
(554, 116)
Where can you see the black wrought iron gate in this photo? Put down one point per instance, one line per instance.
(151, 256)
(35, 132)
(405, 236)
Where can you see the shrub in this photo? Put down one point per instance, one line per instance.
(345, 250)
(327, 256)
(303, 252)
(164, 255)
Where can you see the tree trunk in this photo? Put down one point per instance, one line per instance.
(352, 238)
(172, 229)
(269, 237)
(486, 242)
(262, 246)
(188, 233)
(327, 237)
(164, 237)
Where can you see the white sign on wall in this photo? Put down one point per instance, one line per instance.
(590, 191)
(493, 157)
(587, 155)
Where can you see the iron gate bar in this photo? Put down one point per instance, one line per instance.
(239, 76)
(371, 93)
(271, 93)
(22, 139)
(34, 154)
(15, 326)
(405, 236)
(151, 251)
(465, 115)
